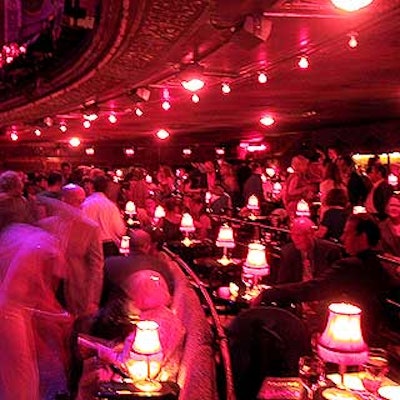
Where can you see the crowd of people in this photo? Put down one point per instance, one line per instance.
(62, 273)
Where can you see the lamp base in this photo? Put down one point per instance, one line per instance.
(148, 385)
(224, 260)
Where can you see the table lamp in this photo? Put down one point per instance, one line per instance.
(393, 180)
(159, 213)
(252, 203)
(226, 241)
(187, 227)
(276, 189)
(342, 341)
(359, 210)
(147, 343)
(130, 211)
(302, 209)
(254, 268)
(124, 245)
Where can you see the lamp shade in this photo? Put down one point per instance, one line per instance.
(302, 209)
(147, 339)
(159, 212)
(256, 262)
(225, 237)
(130, 208)
(342, 341)
(351, 5)
(187, 224)
(252, 203)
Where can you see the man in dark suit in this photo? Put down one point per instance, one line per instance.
(380, 192)
(359, 279)
(307, 256)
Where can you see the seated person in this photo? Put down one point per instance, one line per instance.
(170, 224)
(149, 299)
(335, 215)
(359, 279)
(201, 220)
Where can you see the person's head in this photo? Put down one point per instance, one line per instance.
(73, 195)
(150, 205)
(300, 164)
(11, 183)
(140, 241)
(148, 289)
(361, 233)
(377, 172)
(302, 233)
(336, 198)
(12, 210)
(54, 180)
(66, 169)
(393, 207)
(101, 183)
(196, 204)
(172, 206)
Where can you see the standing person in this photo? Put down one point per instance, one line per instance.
(106, 215)
(253, 185)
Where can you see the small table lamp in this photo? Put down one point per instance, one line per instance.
(124, 245)
(226, 241)
(359, 210)
(342, 342)
(255, 267)
(147, 343)
(302, 209)
(252, 203)
(130, 211)
(159, 213)
(393, 180)
(187, 227)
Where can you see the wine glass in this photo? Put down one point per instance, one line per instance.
(311, 372)
(375, 369)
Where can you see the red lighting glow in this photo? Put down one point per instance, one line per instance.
(162, 134)
(267, 120)
(262, 78)
(303, 62)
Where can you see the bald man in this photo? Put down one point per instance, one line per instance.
(73, 195)
(307, 256)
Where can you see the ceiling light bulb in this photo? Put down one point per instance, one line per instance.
(195, 98)
(193, 85)
(262, 78)
(63, 127)
(138, 112)
(303, 62)
(166, 105)
(226, 89)
(14, 136)
(353, 43)
(75, 142)
(89, 151)
(129, 151)
(267, 120)
(351, 5)
(112, 118)
(37, 132)
(187, 152)
(162, 134)
(87, 124)
(91, 117)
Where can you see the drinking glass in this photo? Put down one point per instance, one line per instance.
(375, 369)
(311, 373)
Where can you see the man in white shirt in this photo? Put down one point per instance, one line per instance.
(106, 214)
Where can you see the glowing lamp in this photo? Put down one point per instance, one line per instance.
(290, 170)
(252, 203)
(112, 118)
(187, 152)
(147, 343)
(359, 210)
(63, 127)
(207, 198)
(187, 227)
(75, 142)
(226, 89)
(342, 340)
(254, 268)
(159, 213)
(148, 179)
(262, 78)
(37, 132)
(130, 208)
(195, 98)
(193, 85)
(351, 5)
(303, 62)
(226, 241)
(270, 172)
(129, 151)
(389, 392)
(14, 136)
(220, 151)
(353, 43)
(162, 134)
(393, 180)
(267, 120)
(138, 112)
(302, 209)
(89, 151)
(277, 188)
(124, 245)
(166, 105)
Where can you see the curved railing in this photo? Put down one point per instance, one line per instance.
(219, 330)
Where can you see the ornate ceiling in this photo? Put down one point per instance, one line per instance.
(147, 44)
